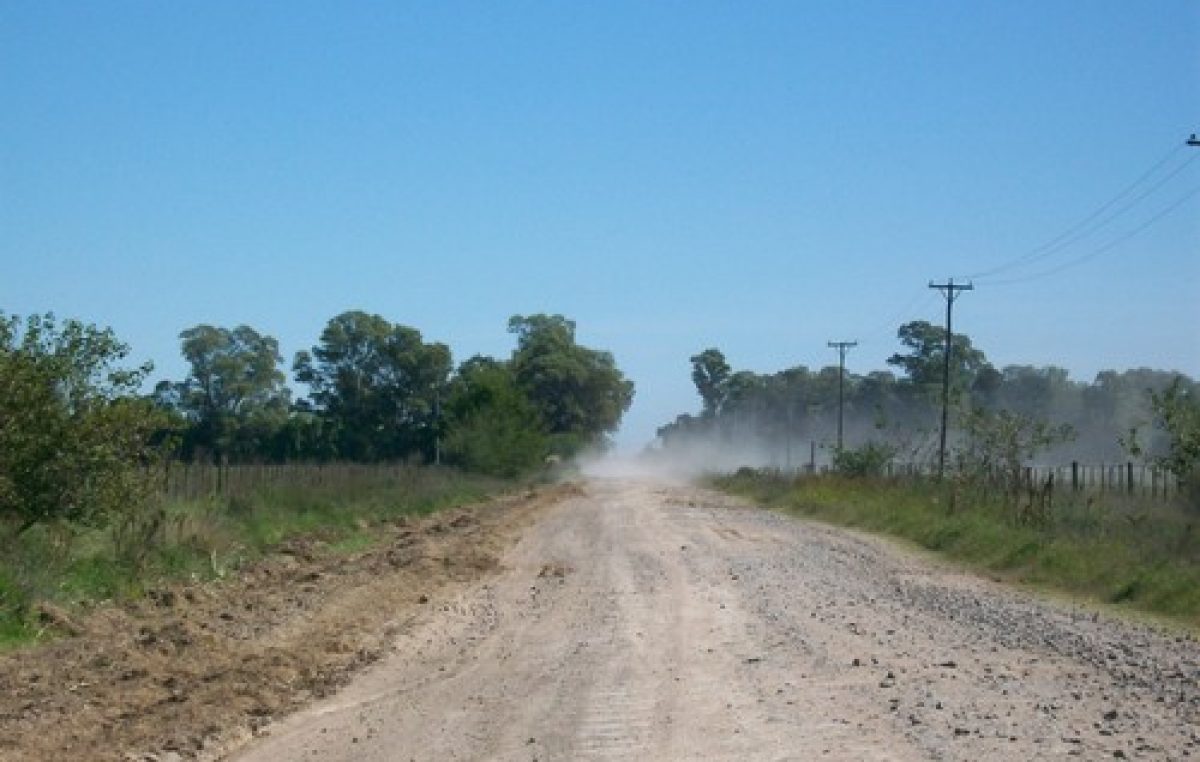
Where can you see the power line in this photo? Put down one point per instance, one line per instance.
(1109, 218)
(1080, 230)
(1101, 250)
(913, 306)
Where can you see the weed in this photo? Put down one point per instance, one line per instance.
(206, 537)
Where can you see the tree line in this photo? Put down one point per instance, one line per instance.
(1139, 413)
(378, 391)
(78, 433)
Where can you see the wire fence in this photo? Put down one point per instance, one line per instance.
(1127, 478)
(194, 481)
(1134, 479)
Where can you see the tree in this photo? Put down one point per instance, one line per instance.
(923, 363)
(1120, 404)
(869, 459)
(742, 406)
(997, 445)
(235, 395)
(377, 384)
(1039, 392)
(75, 439)
(1177, 412)
(579, 393)
(710, 374)
(681, 430)
(490, 425)
(770, 413)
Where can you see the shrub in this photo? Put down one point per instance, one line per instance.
(75, 441)
(869, 460)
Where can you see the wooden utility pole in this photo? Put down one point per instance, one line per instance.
(950, 290)
(842, 347)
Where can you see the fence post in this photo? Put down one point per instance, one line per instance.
(1129, 477)
(1074, 476)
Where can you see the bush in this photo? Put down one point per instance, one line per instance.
(75, 441)
(869, 460)
(996, 445)
(492, 428)
(1178, 413)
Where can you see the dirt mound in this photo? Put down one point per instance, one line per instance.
(190, 670)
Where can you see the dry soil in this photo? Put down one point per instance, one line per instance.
(653, 622)
(610, 620)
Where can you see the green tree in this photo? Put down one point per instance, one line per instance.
(579, 393)
(75, 439)
(235, 395)
(1177, 413)
(923, 362)
(304, 436)
(743, 406)
(869, 459)
(490, 425)
(710, 374)
(997, 445)
(681, 430)
(377, 385)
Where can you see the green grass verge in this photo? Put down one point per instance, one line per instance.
(206, 539)
(1140, 555)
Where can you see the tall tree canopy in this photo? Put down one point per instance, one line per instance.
(710, 374)
(770, 413)
(490, 425)
(235, 394)
(923, 362)
(377, 384)
(579, 393)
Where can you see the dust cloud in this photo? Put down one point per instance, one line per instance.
(685, 462)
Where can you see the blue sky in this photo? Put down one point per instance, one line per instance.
(760, 177)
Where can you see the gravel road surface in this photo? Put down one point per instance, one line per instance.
(655, 622)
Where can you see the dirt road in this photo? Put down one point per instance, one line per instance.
(194, 668)
(638, 621)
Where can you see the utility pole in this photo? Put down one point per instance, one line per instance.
(437, 423)
(950, 290)
(788, 438)
(842, 347)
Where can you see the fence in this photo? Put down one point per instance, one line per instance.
(191, 481)
(1129, 478)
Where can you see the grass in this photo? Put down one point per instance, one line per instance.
(207, 538)
(1141, 555)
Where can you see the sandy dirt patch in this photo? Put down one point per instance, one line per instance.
(193, 670)
(652, 622)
